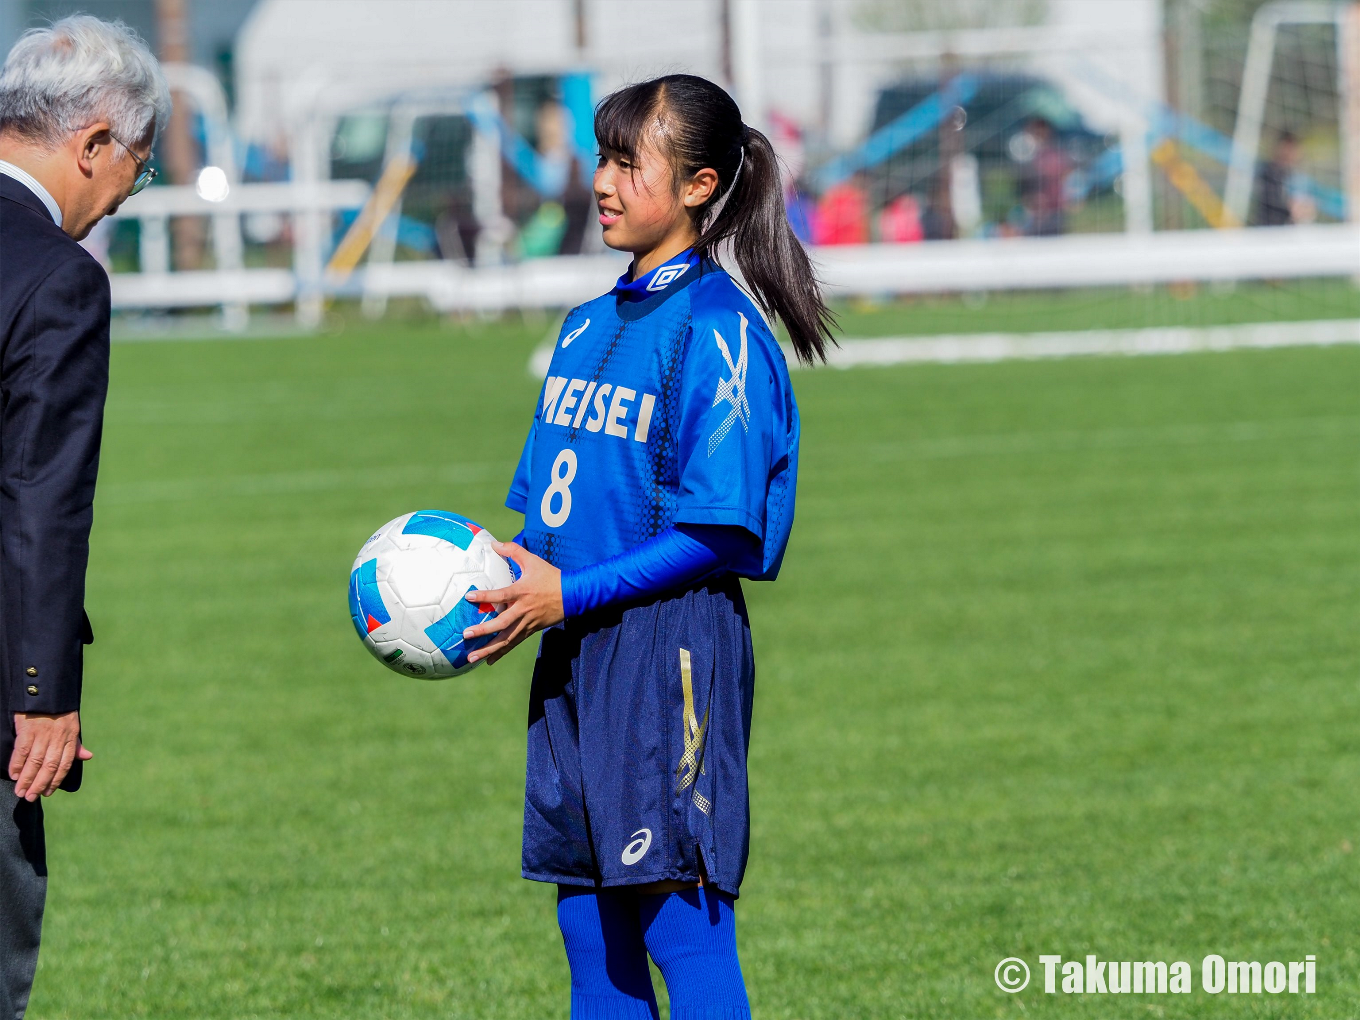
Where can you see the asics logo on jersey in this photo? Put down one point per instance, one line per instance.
(566, 340)
(667, 275)
(637, 849)
(732, 390)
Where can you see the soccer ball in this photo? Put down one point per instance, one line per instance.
(406, 592)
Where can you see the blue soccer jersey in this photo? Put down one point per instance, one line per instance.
(667, 401)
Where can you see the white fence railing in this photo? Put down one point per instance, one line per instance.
(230, 285)
(1077, 260)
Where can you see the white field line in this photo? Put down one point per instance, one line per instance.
(1186, 434)
(982, 347)
(541, 359)
(956, 348)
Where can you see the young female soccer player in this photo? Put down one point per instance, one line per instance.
(659, 468)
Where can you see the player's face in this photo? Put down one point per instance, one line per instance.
(639, 209)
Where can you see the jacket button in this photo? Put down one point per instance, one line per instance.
(33, 690)
(32, 671)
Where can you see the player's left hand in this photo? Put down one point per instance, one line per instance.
(45, 747)
(531, 604)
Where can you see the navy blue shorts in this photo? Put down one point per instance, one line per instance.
(639, 721)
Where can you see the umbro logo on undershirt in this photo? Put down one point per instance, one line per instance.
(667, 275)
(637, 849)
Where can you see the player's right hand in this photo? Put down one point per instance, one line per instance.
(532, 603)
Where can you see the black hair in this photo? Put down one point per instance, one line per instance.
(696, 124)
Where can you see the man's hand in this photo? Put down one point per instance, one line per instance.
(45, 747)
(532, 603)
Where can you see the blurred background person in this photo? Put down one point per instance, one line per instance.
(801, 205)
(542, 233)
(555, 128)
(80, 104)
(1278, 202)
(843, 214)
(578, 202)
(900, 221)
(1044, 185)
(457, 228)
(1272, 183)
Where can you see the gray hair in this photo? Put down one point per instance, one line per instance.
(77, 71)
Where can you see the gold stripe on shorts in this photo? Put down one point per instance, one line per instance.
(692, 762)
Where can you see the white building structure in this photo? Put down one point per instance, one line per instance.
(300, 65)
(813, 61)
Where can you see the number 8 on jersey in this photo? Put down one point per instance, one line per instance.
(563, 471)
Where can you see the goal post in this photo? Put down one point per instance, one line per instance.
(1349, 51)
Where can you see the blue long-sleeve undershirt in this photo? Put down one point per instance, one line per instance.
(677, 556)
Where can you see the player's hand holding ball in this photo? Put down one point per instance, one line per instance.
(532, 603)
(406, 592)
(431, 590)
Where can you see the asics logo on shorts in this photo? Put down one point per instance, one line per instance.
(637, 849)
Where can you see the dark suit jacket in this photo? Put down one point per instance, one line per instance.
(54, 373)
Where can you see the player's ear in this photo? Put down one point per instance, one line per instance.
(699, 188)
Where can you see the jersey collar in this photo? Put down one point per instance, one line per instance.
(658, 280)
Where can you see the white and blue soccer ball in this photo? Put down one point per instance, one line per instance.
(406, 592)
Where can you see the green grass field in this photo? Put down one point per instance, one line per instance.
(1065, 658)
(1104, 308)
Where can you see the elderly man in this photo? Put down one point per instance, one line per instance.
(80, 103)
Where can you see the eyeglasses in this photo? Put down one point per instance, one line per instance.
(145, 174)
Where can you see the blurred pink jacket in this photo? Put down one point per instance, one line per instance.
(842, 216)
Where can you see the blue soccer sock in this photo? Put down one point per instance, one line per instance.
(692, 936)
(609, 975)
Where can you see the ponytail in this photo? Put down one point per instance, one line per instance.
(702, 127)
(771, 258)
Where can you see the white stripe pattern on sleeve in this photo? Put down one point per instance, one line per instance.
(732, 390)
